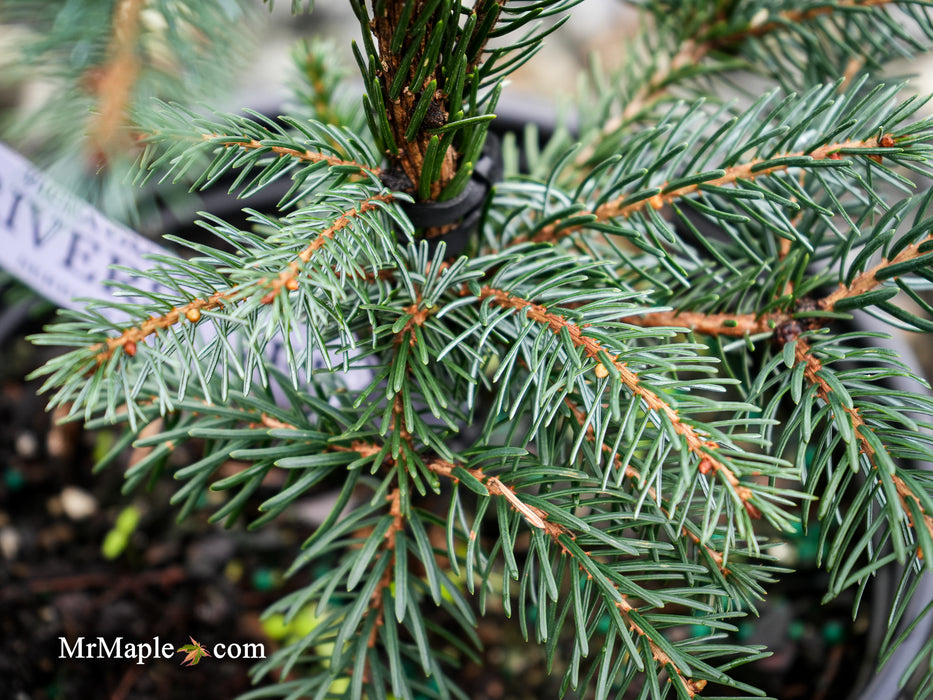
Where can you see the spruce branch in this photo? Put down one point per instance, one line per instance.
(686, 670)
(704, 449)
(320, 88)
(545, 373)
(314, 155)
(623, 207)
(910, 258)
(656, 87)
(130, 338)
(377, 598)
(407, 59)
(104, 63)
(884, 270)
(722, 35)
(868, 446)
(688, 529)
(759, 27)
(288, 277)
(434, 92)
(615, 589)
(691, 686)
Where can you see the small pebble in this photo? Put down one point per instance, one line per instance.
(9, 542)
(207, 557)
(785, 553)
(78, 503)
(54, 506)
(61, 438)
(213, 607)
(26, 445)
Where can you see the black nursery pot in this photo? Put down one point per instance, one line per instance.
(465, 209)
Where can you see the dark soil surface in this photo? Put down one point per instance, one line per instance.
(169, 581)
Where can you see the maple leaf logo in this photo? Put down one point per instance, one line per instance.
(195, 652)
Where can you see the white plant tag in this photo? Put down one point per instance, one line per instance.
(58, 244)
(64, 248)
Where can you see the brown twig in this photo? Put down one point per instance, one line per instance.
(287, 277)
(657, 653)
(534, 516)
(617, 209)
(166, 577)
(738, 325)
(114, 83)
(398, 524)
(274, 423)
(129, 339)
(419, 316)
(307, 156)
(868, 280)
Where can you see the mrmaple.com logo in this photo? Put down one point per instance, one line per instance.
(144, 651)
